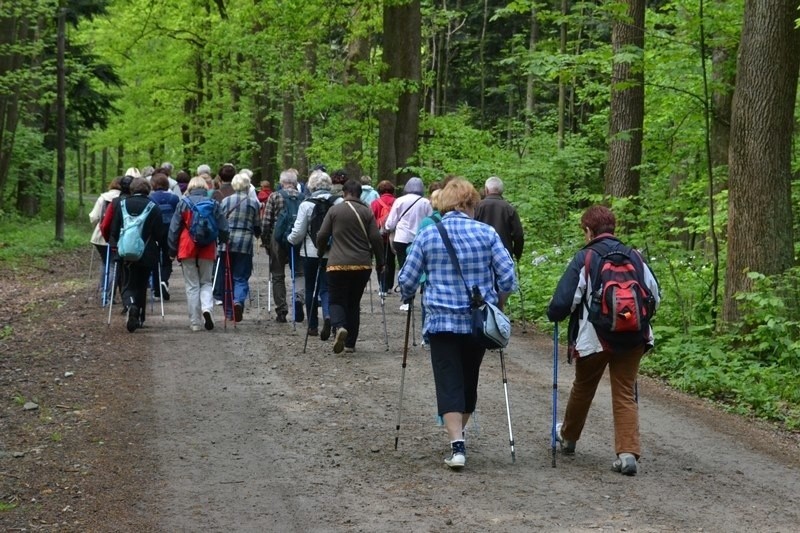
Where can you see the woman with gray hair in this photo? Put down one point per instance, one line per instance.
(310, 215)
(244, 223)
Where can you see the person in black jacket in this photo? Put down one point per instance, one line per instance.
(502, 216)
(137, 273)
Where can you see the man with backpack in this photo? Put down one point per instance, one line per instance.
(610, 295)
(310, 215)
(225, 174)
(138, 231)
(278, 220)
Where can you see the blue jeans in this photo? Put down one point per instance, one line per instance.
(310, 265)
(241, 269)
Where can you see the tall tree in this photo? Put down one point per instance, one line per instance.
(759, 200)
(399, 123)
(627, 102)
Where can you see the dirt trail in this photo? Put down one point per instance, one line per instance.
(238, 430)
(251, 434)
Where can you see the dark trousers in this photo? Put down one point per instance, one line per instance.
(401, 248)
(135, 282)
(456, 360)
(345, 288)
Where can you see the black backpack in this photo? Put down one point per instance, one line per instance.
(620, 305)
(285, 221)
(321, 208)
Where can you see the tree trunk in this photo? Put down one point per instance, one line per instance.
(530, 98)
(627, 104)
(12, 31)
(287, 136)
(760, 235)
(398, 134)
(723, 76)
(352, 149)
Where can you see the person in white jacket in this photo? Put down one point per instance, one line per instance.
(404, 218)
(319, 188)
(95, 216)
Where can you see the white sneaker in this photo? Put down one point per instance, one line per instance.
(456, 461)
(404, 307)
(197, 327)
(567, 446)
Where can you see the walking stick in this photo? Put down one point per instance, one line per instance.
(521, 300)
(89, 281)
(258, 290)
(508, 408)
(403, 375)
(113, 282)
(105, 276)
(160, 286)
(294, 305)
(216, 270)
(383, 309)
(313, 309)
(369, 284)
(269, 282)
(227, 295)
(413, 325)
(555, 392)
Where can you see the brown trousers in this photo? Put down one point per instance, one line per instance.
(623, 367)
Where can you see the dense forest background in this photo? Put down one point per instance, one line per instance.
(680, 114)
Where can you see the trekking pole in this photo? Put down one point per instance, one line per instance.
(216, 270)
(152, 291)
(269, 282)
(160, 286)
(113, 282)
(294, 305)
(413, 325)
(227, 295)
(313, 309)
(403, 376)
(555, 392)
(89, 281)
(105, 276)
(371, 308)
(508, 407)
(258, 291)
(383, 310)
(521, 300)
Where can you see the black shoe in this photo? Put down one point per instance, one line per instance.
(281, 318)
(124, 310)
(325, 334)
(209, 321)
(237, 312)
(312, 332)
(133, 318)
(165, 291)
(298, 312)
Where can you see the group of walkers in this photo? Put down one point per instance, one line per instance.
(331, 232)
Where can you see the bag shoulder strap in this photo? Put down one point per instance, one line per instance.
(453, 257)
(408, 208)
(232, 209)
(360, 222)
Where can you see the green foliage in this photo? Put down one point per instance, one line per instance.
(23, 240)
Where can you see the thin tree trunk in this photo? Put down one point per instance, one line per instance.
(482, 60)
(562, 86)
(760, 236)
(287, 136)
(530, 98)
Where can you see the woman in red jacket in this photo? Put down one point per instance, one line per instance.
(197, 262)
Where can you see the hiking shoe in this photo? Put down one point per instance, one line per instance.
(338, 342)
(325, 334)
(404, 307)
(208, 320)
(458, 457)
(133, 318)
(313, 332)
(197, 327)
(349, 349)
(298, 312)
(238, 309)
(165, 291)
(217, 302)
(625, 464)
(281, 317)
(567, 446)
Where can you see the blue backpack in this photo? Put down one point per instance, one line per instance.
(131, 244)
(203, 228)
(286, 218)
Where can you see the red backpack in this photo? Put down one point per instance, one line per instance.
(619, 304)
(383, 214)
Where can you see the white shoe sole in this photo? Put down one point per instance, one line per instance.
(456, 461)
